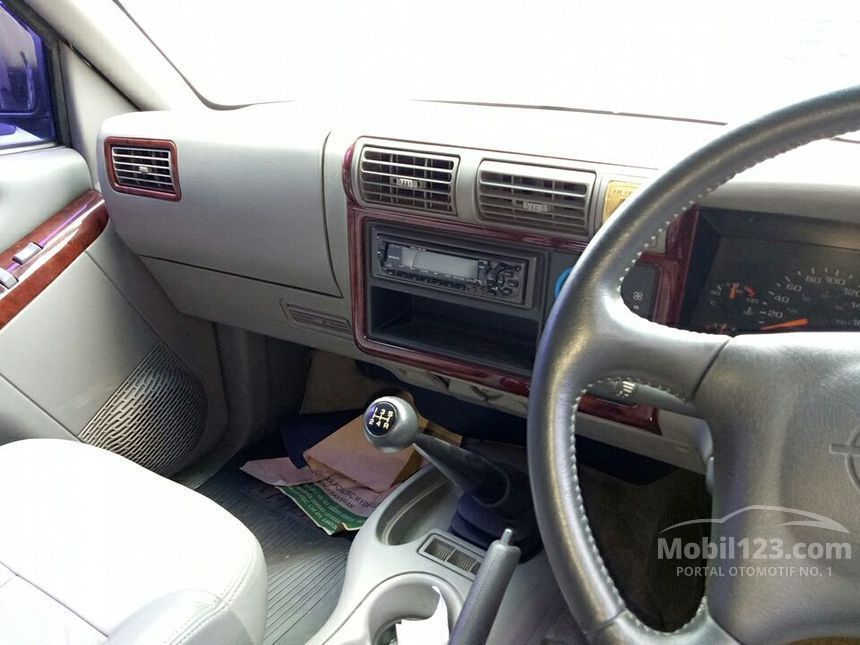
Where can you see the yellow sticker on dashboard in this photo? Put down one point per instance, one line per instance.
(617, 193)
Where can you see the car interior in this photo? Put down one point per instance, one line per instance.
(382, 323)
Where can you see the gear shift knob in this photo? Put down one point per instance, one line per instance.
(391, 424)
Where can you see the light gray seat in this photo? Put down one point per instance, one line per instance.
(95, 549)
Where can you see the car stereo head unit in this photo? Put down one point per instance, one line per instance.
(468, 271)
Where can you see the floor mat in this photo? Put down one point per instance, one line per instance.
(305, 566)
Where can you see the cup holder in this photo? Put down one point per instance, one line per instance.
(410, 596)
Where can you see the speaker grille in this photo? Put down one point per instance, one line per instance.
(156, 417)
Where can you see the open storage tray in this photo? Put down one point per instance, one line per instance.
(454, 330)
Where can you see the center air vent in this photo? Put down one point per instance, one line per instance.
(408, 179)
(148, 169)
(535, 196)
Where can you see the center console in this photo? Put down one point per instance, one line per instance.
(465, 298)
(404, 550)
(448, 294)
(435, 284)
(463, 529)
(468, 301)
(457, 257)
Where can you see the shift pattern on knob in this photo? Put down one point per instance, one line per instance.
(381, 418)
(391, 424)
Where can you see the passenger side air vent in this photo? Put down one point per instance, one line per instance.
(408, 179)
(535, 196)
(143, 167)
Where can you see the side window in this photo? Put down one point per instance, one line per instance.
(26, 114)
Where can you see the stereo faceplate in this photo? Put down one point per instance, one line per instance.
(469, 271)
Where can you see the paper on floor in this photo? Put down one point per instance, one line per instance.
(346, 478)
(431, 631)
(333, 501)
(281, 472)
(348, 452)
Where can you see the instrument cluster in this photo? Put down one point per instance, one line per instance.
(758, 285)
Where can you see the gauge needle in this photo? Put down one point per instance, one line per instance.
(788, 324)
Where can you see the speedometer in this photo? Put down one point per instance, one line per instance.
(821, 298)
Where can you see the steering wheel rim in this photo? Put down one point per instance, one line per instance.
(591, 335)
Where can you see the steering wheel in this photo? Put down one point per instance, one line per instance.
(779, 406)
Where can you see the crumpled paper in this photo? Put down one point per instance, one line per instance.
(346, 477)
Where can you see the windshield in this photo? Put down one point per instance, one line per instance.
(714, 61)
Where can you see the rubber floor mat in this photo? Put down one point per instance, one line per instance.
(305, 566)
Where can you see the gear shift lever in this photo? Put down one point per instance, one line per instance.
(391, 424)
(495, 496)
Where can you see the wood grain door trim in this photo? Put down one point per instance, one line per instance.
(63, 237)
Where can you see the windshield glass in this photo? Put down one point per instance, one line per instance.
(716, 61)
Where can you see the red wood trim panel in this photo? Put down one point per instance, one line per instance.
(63, 238)
(671, 267)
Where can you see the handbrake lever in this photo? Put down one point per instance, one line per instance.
(485, 597)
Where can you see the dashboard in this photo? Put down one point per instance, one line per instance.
(431, 239)
(759, 273)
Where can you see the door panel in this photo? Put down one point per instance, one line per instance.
(90, 347)
(72, 345)
(36, 184)
(191, 339)
(21, 418)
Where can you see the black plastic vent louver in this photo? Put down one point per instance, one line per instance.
(554, 199)
(408, 179)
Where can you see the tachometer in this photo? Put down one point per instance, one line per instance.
(822, 298)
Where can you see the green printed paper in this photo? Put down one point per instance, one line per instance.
(326, 513)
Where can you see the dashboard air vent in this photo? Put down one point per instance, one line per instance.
(535, 196)
(143, 167)
(408, 179)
